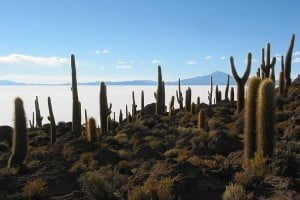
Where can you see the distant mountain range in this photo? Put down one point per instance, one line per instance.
(219, 78)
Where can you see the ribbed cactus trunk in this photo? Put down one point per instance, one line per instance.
(76, 117)
(104, 110)
(160, 104)
(91, 130)
(39, 118)
(142, 103)
(266, 118)
(19, 139)
(179, 96)
(288, 64)
(241, 81)
(52, 122)
(227, 88)
(201, 120)
(250, 118)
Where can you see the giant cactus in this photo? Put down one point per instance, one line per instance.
(265, 118)
(241, 81)
(160, 93)
(104, 109)
(179, 96)
(38, 117)
(250, 118)
(76, 117)
(19, 139)
(52, 122)
(288, 64)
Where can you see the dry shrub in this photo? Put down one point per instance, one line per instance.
(202, 163)
(34, 189)
(182, 155)
(86, 162)
(153, 189)
(234, 192)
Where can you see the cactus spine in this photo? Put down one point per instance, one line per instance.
(241, 81)
(250, 118)
(91, 130)
(288, 65)
(19, 139)
(52, 122)
(201, 120)
(188, 99)
(210, 92)
(265, 118)
(38, 117)
(171, 107)
(76, 117)
(227, 88)
(160, 93)
(104, 109)
(179, 96)
(142, 103)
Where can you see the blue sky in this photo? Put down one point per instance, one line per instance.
(127, 39)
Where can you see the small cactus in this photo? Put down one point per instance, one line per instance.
(217, 94)
(120, 117)
(232, 94)
(250, 118)
(241, 81)
(142, 103)
(19, 139)
(91, 130)
(281, 77)
(258, 73)
(201, 120)
(265, 118)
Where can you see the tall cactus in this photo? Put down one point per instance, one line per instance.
(288, 64)
(220, 96)
(241, 81)
(266, 118)
(227, 88)
(19, 139)
(120, 117)
(188, 99)
(38, 117)
(52, 122)
(217, 94)
(91, 130)
(142, 103)
(134, 106)
(201, 120)
(232, 94)
(104, 109)
(126, 112)
(210, 92)
(267, 65)
(198, 102)
(179, 96)
(171, 107)
(85, 117)
(160, 105)
(76, 117)
(250, 118)
(281, 77)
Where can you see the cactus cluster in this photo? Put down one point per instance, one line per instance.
(19, 139)
(241, 81)
(259, 118)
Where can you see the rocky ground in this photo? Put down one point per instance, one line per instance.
(158, 157)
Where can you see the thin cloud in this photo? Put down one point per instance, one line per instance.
(223, 57)
(296, 60)
(105, 51)
(101, 67)
(297, 53)
(21, 59)
(120, 62)
(191, 62)
(208, 57)
(155, 61)
(123, 67)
